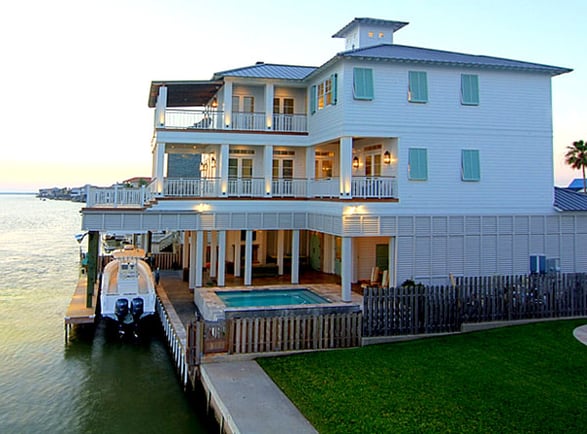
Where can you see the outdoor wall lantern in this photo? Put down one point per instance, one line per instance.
(214, 102)
(355, 163)
(386, 157)
(213, 163)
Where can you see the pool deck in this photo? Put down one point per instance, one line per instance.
(244, 396)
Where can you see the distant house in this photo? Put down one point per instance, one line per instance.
(137, 181)
(421, 162)
(576, 184)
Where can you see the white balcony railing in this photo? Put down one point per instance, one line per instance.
(361, 188)
(215, 120)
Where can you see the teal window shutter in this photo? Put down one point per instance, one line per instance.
(469, 89)
(417, 86)
(363, 83)
(470, 165)
(313, 100)
(418, 164)
(334, 78)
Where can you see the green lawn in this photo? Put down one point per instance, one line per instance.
(520, 379)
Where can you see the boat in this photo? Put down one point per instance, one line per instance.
(127, 292)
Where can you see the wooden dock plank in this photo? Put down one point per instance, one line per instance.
(77, 312)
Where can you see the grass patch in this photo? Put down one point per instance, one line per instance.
(519, 379)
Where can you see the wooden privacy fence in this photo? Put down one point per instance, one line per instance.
(435, 309)
(276, 333)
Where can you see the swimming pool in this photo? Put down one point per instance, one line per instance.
(270, 297)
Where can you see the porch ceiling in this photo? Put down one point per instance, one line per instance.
(185, 93)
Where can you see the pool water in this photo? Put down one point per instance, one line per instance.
(270, 297)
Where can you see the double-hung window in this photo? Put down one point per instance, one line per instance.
(363, 83)
(324, 93)
(418, 164)
(417, 86)
(469, 89)
(470, 165)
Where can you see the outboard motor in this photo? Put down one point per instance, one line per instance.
(137, 308)
(121, 309)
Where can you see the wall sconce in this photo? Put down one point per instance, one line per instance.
(203, 167)
(355, 163)
(213, 163)
(214, 102)
(386, 157)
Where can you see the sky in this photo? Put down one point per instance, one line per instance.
(76, 74)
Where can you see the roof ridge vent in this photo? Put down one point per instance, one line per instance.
(259, 62)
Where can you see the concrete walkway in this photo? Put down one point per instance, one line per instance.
(581, 334)
(256, 404)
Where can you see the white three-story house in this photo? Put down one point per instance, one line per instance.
(422, 162)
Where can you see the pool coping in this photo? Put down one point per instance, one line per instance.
(213, 309)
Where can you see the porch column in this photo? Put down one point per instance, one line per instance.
(346, 268)
(213, 253)
(237, 253)
(160, 107)
(310, 169)
(185, 255)
(280, 242)
(392, 255)
(199, 262)
(269, 93)
(192, 256)
(248, 256)
(346, 161)
(295, 256)
(221, 257)
(159, 165)
(223, 168)
(227, 106)
(268, 168)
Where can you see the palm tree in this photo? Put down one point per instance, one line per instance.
(576, 157)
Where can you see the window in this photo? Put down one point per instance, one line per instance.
(470, 166)
(469, 89)
(323, 94)
(282, 169)
(417, 86)
(363, 83)
(418, 164)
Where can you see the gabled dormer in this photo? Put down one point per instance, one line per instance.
(367, 32)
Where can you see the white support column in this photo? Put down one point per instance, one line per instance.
(221, 257)
(269, 93)
(310, 168)
(295, 256)
(159, 165)
(268, 168)
(192, 272)
(280, 249)
(346, 166)
(223, 168)
(160, 107)
(213, 253)
(227, 106)
(237, 253)
(199, 257)
(392, 262)
(185, 253)
(346, 268)
(248, 257)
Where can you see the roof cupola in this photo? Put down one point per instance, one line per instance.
(367, 32)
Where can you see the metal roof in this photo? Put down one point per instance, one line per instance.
(406, 54)
(268, 70)
(569, 200)
(576, 184)
(394, 25)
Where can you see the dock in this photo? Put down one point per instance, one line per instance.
(77, 312)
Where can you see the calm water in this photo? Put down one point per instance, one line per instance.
(89, 385)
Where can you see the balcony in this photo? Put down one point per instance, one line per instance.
(241, 121)
(294, 188)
